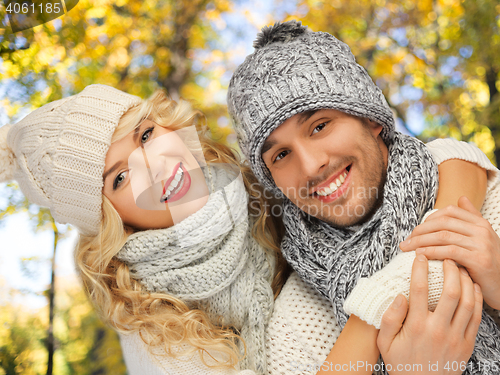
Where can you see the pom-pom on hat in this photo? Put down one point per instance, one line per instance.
(294, 70)
(57, 153)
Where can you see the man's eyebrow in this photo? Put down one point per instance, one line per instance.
(268, 144)
(117, 164)
(304, 116)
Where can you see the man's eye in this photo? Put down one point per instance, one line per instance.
(147, 132)
(281, 155)
(118, 180)
(319, 128)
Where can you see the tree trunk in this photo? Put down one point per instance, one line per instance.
(94, 354)
(50, 339)
(186, 15)
(493, 112)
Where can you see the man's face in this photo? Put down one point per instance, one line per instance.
(330, 164)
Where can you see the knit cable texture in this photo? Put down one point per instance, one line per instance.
(228, 276)
(60, 151)
(333, 260)
(290, 74)
(372, 296)
(302, 328)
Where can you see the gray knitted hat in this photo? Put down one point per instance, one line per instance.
(57, 153)
(293, 70)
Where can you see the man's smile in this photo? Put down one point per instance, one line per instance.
(337, 182)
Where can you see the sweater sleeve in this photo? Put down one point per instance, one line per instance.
(449, 148)
(301, 331)
(371, 296)
(139, 361)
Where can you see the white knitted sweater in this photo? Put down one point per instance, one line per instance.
(302, 328)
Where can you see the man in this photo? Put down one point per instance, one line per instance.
(318, 132)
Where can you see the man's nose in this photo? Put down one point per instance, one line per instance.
(312, 161)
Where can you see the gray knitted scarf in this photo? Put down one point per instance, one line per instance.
(211, 261)
(333, 259)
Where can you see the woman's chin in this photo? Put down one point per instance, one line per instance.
(181, 211)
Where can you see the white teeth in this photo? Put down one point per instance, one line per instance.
(173, 184)
(325, 192)
(333, 186)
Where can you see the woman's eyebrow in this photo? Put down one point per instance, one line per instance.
(117, 164)
(137, 131)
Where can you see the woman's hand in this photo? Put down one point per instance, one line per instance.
(439, 342)
(462, 234)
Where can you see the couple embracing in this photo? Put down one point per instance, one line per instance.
(187, 269)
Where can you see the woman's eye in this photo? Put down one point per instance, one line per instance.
(118, 180)
(281, 155)
(319, 128)
(146, 134)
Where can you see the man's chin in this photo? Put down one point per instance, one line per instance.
(353, 217)
(343, 222)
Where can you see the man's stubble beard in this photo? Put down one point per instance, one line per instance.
(372, 204)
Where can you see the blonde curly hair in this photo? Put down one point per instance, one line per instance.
(163, 320)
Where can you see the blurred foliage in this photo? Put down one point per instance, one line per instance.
(136, 46)
(84, 345)
(436, 57)
(439, 57)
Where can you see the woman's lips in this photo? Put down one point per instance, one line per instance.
(181, 189)
(167, 183)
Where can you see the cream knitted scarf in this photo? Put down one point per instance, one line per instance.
(211, 261)
(333, 259)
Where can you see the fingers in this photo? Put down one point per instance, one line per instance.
(419, 289)
(391, 323)
(444, 223)
(440, 238)
(450, 297)
(465, 213)
(456, 212)
(457, 253)
(467, 303)
(466, 204)
(471, 331)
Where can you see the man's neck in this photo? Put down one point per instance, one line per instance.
(383, 148)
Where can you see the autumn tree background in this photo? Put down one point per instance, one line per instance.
(437, 62)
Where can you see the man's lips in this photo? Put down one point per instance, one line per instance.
(167, 183)
(329, 181)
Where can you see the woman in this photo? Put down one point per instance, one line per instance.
(186, 279)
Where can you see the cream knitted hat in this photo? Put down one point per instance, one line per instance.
(57, 153)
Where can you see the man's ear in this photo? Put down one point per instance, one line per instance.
(374, 127)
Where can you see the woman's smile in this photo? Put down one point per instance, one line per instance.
(177, 185)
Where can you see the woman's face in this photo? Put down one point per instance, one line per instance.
(152, 179)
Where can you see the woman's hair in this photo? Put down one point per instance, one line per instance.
(162, 319)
